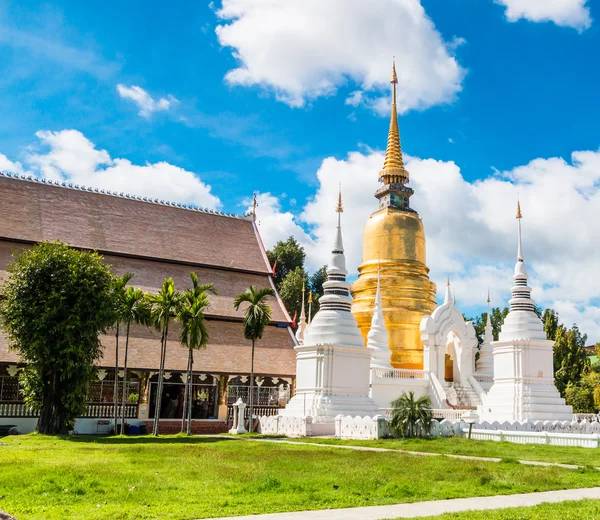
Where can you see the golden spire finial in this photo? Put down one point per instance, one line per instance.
(310, 297)
(339, 207)
(519, 214)
(488, 300)
(393, 166)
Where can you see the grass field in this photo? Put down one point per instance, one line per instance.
(187, 478)
(461, 446)
(575, 510)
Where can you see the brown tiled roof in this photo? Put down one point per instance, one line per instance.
(35, 211)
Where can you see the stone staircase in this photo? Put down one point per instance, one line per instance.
(466, 396)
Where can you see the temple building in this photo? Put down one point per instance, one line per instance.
(156, 239)
(394, 240)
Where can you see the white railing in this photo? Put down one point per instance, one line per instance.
(554, 439)
(440, 397)
(476, 386)
(447, 413)
(483, 378)
(399, 373)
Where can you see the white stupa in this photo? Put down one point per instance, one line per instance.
(485, 363)
(378, 338)
(332, 364)
(302, 323)
(523, 386)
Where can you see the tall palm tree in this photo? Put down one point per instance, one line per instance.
(193, 334)
(119, 294)
(411, 416)
(135, 310)
(257, 316)
(163, 306)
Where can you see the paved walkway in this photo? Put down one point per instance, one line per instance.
(432, 508)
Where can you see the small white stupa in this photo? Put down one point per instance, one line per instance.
(523, 386)
(332, 364)
(302, 323)
(378, 338)
(485, 363)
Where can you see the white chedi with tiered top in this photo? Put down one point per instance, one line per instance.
(332, 364)
(523, 386)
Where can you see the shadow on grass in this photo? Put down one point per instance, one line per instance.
(145, 439)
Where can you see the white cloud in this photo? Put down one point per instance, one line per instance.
(145, 102)
(304, 49)
(471, 227)
(69, 156)
(566, 13)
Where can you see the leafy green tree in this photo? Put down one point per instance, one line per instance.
(164, 306)
(584, 396)
(257, 315)
(119, 299)
(551, 323)
(411, 416)
(290, 291)
(134, 309)
(193, 335)
(54, 303)
(570, 359)
(286, 257)
(316, 282)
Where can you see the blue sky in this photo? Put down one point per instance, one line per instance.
(489, 88)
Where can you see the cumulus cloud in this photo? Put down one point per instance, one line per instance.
(566, 13)
(471, 226)
(305, 49)
(68, 155)
(145, 102)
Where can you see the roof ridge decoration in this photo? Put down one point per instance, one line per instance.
(139, 198)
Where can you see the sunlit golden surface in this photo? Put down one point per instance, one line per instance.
(396, 240)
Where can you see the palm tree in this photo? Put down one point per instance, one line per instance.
(163, 306)
(119, 293)
(193, 335)
(411, 416)
(135, 310)
(257, 316)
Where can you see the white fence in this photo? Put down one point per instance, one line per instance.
(365, 428)
(399, 373)
(554, 439)
(284, 425)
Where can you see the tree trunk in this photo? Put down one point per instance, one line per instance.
(191, 383)
(185, 393)
(157, 398)
(251, 427)
(116, 390)
(161, 375)
(52, 419)
(125, 378)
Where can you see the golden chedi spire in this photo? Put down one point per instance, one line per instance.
(393, 166)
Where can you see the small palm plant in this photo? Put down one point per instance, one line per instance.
(257, 316)
(410, 416)
(193, 335)
(135, 309)
(164, 306)
(119, 290)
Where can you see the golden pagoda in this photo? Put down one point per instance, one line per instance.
(394, 238)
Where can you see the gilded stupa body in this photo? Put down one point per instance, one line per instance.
(394, 238)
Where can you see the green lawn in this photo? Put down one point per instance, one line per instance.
(180, 478)
(461, 446)
(575, 510)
